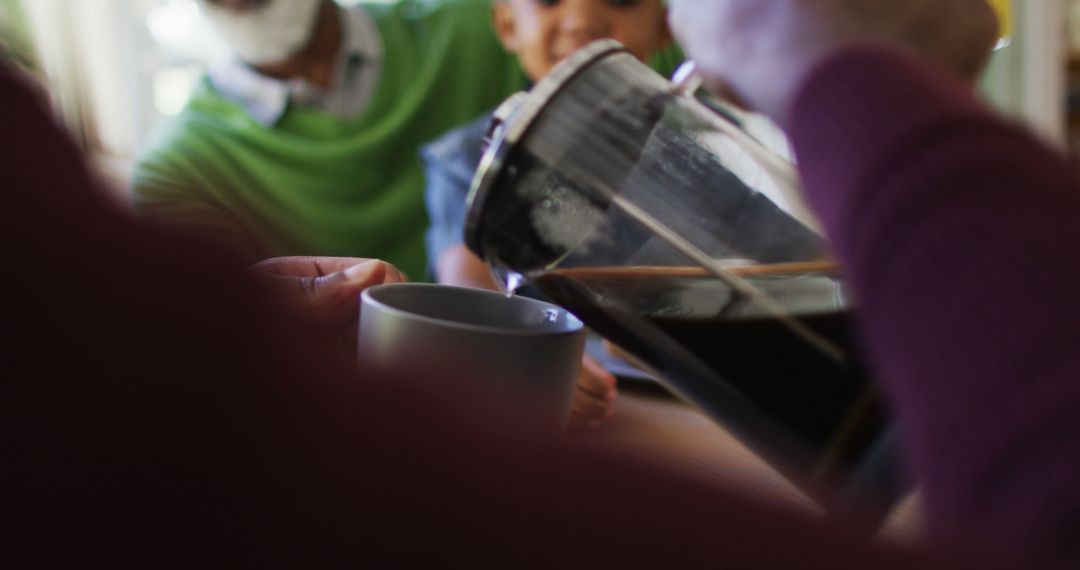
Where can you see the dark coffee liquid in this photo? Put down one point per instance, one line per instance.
(795, 405)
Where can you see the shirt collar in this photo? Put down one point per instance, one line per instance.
(265, 99)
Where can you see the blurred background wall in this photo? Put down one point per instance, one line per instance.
(116, 69)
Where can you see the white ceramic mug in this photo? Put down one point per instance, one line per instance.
(522, 353)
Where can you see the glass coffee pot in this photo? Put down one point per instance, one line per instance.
(672, 233)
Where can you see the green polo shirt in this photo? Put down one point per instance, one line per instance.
(317, 184)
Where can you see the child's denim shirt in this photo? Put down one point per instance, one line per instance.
(449, 165)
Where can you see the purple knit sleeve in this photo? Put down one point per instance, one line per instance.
(959, 233)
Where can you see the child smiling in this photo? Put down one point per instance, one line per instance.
(541, 33)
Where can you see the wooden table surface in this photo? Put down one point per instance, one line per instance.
(654, 426)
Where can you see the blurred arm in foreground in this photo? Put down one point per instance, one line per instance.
(951, 225)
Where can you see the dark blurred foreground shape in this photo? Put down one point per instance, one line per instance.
(154, 413)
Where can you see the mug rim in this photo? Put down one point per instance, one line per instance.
(368, 296)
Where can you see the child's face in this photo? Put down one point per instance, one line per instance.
(543, 32)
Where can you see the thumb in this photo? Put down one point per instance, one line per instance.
(335, 298)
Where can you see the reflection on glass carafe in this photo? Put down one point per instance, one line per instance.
(676, 236)
(780, 394)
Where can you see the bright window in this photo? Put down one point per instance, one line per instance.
(117, 68)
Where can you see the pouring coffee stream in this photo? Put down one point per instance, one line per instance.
(685, 83)
(681, 238)
(512, 281)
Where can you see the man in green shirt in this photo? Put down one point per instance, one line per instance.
(306, 142)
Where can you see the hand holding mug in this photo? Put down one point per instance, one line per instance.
(325, 291)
